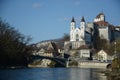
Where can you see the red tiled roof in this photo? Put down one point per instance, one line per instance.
(102, 23)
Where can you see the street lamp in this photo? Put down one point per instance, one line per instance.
(115, 49)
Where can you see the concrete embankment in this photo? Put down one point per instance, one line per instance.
(91, 64)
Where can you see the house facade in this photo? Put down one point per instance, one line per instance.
(104, 57)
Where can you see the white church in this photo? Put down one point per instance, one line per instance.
(79, 35)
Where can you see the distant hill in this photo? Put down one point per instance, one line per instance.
(59, 42)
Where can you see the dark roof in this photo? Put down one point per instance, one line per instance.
(82, 20)
(98, 16)
(73, 20)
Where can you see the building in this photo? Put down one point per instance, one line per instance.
(103, 56)
(85, 53)
(104, 28)
(79, 36)
(117, 32)
(48, 49)
(87, 33)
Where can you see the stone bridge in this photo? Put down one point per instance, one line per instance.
(60, 61)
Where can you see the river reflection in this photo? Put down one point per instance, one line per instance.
(52, 74)
(86, 74)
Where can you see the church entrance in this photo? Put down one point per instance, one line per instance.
(77, 37)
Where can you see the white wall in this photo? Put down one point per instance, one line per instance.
(104, 33)
(85, 53)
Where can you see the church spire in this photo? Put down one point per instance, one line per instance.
(73, 20)
(73, 24)
(82, 20)
(82, 23)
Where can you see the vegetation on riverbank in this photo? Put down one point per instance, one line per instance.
(114, 72)
(113, 75)
(14, 48)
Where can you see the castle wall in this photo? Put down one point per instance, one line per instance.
(104, 33)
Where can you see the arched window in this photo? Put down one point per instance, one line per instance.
(77, 37)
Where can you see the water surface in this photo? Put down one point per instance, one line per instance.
(51, 74)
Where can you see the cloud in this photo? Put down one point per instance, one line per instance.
(68, 19)
(36, 5)
(63, 19)
(78, 19)
(77, 3)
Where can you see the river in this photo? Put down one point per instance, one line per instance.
(52, 74)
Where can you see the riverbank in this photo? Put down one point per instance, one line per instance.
(115, 75)
(12, 67)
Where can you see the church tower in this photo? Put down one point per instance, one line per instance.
(82, 23)
(82, 27)
(73, 26)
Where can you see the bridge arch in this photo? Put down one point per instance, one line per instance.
(60, 62)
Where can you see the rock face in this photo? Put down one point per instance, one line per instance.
(42, 63)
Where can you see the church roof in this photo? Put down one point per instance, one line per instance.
(98, 16)
(102, 52)
(73, 20)
(82, 20)
(102, 23)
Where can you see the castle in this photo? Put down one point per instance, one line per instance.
(87, 33)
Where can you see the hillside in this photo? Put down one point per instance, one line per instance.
(59, 42)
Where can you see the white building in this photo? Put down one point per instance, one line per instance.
(84, 53)
(102, 56)
(99, 17)
(79, 33)
(79, 36)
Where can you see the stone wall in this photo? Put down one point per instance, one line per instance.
(92, 64)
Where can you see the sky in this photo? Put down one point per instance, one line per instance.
(50, 19)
